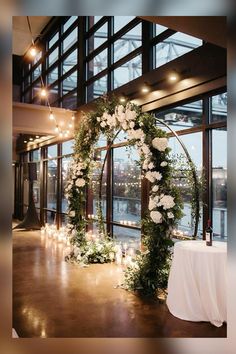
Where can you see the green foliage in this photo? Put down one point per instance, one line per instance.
(149, 270)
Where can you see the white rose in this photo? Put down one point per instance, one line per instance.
(131, 125)
(103, 124)
(145, 164)
(167, 201)
(156, 217)
(151, 204)
(98, 119)
(150, 177)
(71, 213)
(151, 165)
(157, 175)
(170, 215)
(80, 182)
(145, 149)
(155, 188)
(160, 143)
(163, 164)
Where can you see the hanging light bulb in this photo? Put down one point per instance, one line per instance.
(70, 125)
(33, 51)
(51, 116)
(57, 129)
(60, 134)
(43, 92)
(73, 117)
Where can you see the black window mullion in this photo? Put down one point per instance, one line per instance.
(59, 184)
(110, 53)
(60, 63)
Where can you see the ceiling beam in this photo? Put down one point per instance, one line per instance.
(211, 29)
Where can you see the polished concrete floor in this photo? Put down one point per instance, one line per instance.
(52, 298)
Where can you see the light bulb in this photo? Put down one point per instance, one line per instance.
(122, 99)
(70, 125)
(43, 93)
(25, 141)
(57, 129)
(33, 52)
(61, 134)
(37, 136)
(30, 139)
(51, 116)
(145, 88)
(73, 117)
(173, 77)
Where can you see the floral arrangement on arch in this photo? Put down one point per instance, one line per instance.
(149, 269)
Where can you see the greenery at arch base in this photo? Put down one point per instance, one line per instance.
(149, 270)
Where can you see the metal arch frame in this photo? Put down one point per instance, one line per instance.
(191, 165)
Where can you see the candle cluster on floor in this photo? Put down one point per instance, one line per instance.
(124, 254)
(55, 234)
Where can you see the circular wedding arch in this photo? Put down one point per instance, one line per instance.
(191, 166)
(149, 271)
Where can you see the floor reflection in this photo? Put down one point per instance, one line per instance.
(53, 298)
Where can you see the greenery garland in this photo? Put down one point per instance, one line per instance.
(149, 269)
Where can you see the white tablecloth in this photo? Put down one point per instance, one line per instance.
(197, 282)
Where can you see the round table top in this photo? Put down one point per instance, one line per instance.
(200, 246)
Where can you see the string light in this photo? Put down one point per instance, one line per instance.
(33, 51)
(51, 116)
(44, 94)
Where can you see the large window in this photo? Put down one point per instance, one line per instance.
(109, 55)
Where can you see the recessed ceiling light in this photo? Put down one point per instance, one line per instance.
(122, 99)
(30, 139)
(173, 76)
(25, 141)
(37, 136)
(145, 88)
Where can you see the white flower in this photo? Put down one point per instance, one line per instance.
(80, 182)
(160, 143)
(131, 125)
(151, 165)
(130, 115)
(103, 124)
(156, 217)
(157, 175)
(137, 134)
(145, 164)
(124, 125)
(163, 164)
(170, 215)
(167, 201)
(145, 149)
(152, 176)
(151, 204)
(71, 213)
(121, 117)
(98, 119)
(155, 188)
